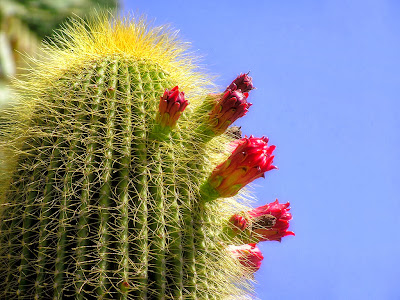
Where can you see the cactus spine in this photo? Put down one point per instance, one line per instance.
(100, 202)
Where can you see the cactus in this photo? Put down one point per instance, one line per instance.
(109, 191)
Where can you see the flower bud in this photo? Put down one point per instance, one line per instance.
(243, 82)
(227, 109)
(248, 255)
(239, 223)
(172, 104)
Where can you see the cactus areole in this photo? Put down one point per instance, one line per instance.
(115, 183)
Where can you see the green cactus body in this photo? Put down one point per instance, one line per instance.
(98, 203)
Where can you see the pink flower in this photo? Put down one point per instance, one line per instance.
(248, 255)
(250, 160)
(172, 104)
(227, 109)
(243, 82)
(269, 222)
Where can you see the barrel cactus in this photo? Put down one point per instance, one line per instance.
(122, 177)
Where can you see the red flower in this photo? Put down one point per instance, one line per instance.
(227, 109)
(251, 158)
(248, 255)
(243, 82)
(268, 222)
(172, 104)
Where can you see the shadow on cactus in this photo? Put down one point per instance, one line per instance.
(124, 175)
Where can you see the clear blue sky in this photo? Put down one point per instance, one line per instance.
(328, 85)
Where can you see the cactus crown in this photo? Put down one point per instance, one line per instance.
(100, 199)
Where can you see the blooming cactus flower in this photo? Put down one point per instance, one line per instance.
(268, 222)
(250, 160)
(243, 82)
(172, 104)
(249, 256)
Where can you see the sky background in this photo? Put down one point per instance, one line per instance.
(328, 83)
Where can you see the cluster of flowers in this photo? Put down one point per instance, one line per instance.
(251, 158)
(269, 222)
